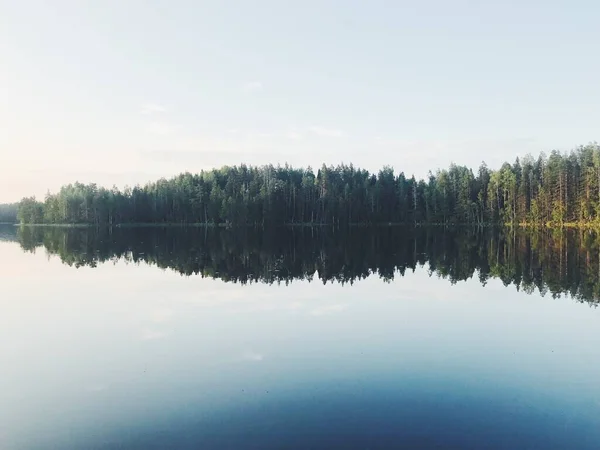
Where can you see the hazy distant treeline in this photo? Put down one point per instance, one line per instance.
(8, 213)
(557, 189)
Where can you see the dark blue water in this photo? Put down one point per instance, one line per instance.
(129, 356)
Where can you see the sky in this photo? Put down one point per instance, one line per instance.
(124, 92)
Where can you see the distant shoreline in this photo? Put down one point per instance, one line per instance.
(525, 225)
(555, 191)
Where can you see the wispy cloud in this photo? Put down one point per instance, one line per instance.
(263, 135)
(161, 128)
(329, 309)
(209, 158)
(266, 307)
(152, 108)
(152, 335)
(252, 86)
(328, 132)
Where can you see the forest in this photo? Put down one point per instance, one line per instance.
(553, 190)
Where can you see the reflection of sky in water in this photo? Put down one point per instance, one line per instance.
(148, 358)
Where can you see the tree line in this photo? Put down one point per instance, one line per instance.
(556, 189)
(555, 262)
(8, 213)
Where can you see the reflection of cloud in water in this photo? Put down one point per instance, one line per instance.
(162, 315)
(252, 356)
(274, 305)
(151, 335)
(329, 309)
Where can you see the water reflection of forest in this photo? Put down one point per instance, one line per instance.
(559, 262)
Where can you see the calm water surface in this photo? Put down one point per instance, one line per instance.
(106, 345)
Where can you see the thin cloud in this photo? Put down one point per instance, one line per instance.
(208, 158)
(152, 335)
(161, 128)
(327, 132)
(252, 86)
(279, 306)
(263, 135)
(152, 108)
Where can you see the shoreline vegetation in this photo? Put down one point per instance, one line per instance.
(522, 225)
(242, 226)
(561, 190)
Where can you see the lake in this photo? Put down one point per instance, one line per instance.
(187, 338)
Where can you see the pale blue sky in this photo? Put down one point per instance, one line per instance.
(121, 92)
